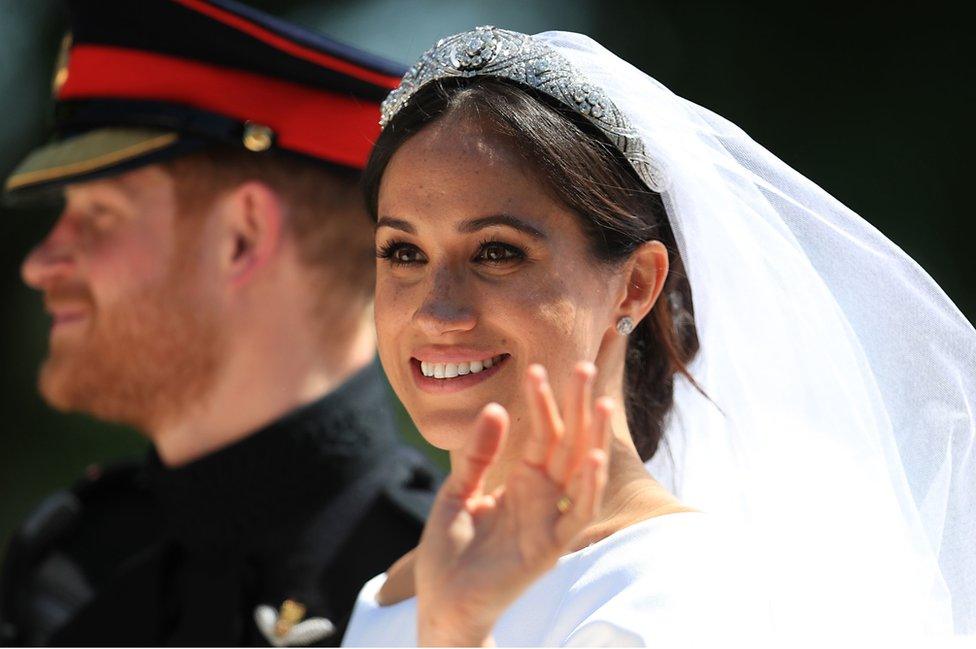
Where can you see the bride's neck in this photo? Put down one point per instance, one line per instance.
(631, 496)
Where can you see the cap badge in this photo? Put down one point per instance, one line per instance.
(257, 137)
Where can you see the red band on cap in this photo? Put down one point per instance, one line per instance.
(274, 40)
(331, 126)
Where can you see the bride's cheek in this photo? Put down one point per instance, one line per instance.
(392, 315)
(547, 316)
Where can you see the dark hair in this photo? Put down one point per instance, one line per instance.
(586, 173)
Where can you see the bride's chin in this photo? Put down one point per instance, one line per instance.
(447, 433)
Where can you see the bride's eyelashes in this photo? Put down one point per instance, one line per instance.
(495, 252)
(492, 252)
(400, 253)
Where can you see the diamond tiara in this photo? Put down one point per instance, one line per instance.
(489, 51)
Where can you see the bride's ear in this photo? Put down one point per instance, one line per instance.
(645, 273)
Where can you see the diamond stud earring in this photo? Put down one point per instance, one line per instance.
(625, 326)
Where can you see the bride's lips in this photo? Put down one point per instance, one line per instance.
(434, 385)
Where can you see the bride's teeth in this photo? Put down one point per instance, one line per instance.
(454, 370)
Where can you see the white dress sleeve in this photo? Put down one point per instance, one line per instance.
(670, 621)
(683, 589)
(601, 633)
(671, 581)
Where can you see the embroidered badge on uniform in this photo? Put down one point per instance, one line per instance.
(286, 628)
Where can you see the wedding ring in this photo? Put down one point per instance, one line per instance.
(564, 504)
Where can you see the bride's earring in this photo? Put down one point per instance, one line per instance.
(625, 326)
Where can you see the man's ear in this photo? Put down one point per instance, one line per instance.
(646, 271)
(252, 219)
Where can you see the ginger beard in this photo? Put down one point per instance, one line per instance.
(142, 361)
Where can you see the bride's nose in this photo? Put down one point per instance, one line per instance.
(448, 306)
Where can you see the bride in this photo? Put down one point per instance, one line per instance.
(580, 273)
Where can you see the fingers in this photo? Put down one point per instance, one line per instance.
(587, 484)
(578, 433)
(547, 426)
(468, 473)
(601, 423)
(585, 490)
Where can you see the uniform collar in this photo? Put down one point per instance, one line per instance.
(241, 496)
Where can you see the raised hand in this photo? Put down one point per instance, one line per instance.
(479, 550)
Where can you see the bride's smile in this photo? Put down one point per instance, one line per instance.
(445, 370)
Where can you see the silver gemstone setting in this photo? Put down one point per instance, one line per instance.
(625, 326)
(489, 51)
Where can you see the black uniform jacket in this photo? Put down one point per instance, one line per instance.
(307, 509)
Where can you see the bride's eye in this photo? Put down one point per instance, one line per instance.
(496, 252)
(399, 253)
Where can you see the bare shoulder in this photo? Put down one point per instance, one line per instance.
(399, 583)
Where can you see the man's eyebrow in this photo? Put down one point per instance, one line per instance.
(514, 222)
(396, 224)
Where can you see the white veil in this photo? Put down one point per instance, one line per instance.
(842, 381)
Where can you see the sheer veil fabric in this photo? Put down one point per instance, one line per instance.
(838, 429)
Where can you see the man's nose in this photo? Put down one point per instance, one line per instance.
(51, 259)
(449, 305)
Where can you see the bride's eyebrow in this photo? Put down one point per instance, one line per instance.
(396, 224)
(472, 225)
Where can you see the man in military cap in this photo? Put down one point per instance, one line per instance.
(209, 283)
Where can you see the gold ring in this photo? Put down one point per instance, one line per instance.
(564, 504)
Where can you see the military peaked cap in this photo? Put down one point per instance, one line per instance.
(142, 81)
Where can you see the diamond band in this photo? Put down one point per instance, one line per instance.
(488, 51)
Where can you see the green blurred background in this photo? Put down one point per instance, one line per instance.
(871, 101)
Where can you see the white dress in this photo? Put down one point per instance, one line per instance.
(673, 580)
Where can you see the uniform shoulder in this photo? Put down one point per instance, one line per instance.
(120, 485)
(413, 487)
(70, 543)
